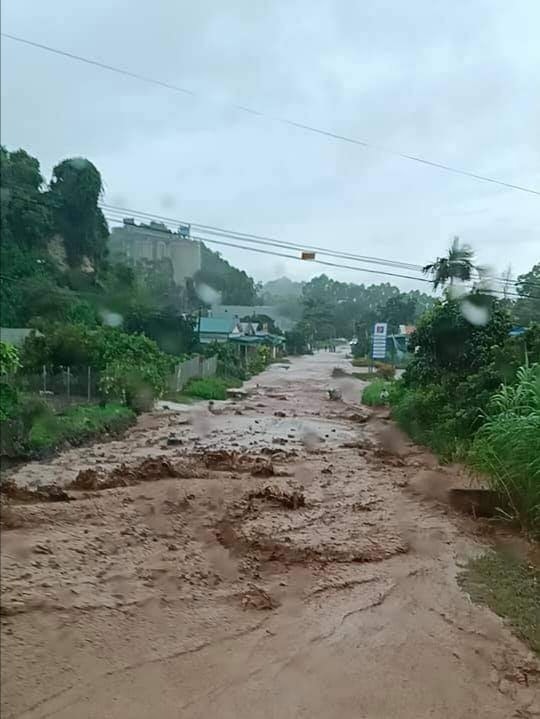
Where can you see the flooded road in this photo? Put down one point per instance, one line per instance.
(276, 556)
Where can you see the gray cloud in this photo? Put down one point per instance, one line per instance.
(454, 83)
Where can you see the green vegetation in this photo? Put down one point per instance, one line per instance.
(9, 363)
(339, 309)
(132, 367)
(76, 425)
(507, 447)
(210, 387)
(511, 588)
(235, 286)
(377, 393)
(34, 429)
(455, 369)
(457, 265)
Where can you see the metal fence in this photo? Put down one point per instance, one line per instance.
(64, 386)
(61, 386)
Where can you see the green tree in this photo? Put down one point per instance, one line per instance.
(234, 285)
(75, 189)
(527, 308)
(457, 265)
(398, 310)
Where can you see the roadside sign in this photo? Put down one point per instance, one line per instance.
(379, 340)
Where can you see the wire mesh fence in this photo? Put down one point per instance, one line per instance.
(65, 386)
(61, 386)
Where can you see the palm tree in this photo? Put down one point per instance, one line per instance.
(458, 264)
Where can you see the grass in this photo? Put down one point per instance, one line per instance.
(507, 448)
(366, 376)
(511, 588)
(178, 397)
(211, 387)
(374, 394)
(77, 425)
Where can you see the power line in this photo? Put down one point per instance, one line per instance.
(323, 262)
(281, 120)
(249, 237)
(263, 240)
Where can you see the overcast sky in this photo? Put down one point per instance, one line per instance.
(458, 83)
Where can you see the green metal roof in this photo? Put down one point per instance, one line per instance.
(215, 325)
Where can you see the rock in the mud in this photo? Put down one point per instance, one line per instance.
(334, 394)
(257, 598)
(173, 440)
(263, 468)
(279, 413)
(359, 417)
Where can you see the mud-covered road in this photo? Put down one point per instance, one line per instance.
(277, 557)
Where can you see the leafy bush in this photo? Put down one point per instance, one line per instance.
(9, 363)
(377, 393)
(446, 343)
(229, 364)
(259, 360)
(210, 387)
(386, 371)
(9, 358)
(133, 368)
(136, 386)
(507, 447)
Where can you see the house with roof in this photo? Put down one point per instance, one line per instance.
(218, 329)
(247, 336)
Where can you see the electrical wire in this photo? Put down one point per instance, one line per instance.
(322, 262)
(282, 120)
(269, 241)
(261, 239)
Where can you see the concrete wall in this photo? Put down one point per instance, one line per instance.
(156, 242)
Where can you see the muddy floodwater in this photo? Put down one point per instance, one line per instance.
(278, 556)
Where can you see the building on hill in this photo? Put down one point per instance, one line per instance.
(155, 242)
(239, 311)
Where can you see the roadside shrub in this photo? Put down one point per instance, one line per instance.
(377, 393)
(507, 447)
(385, 371)
(9, 363)
(77, 425)
(361, 362)
(9, 358)
(259, 360)
(228, 357)
(138, 387)
(210, 387)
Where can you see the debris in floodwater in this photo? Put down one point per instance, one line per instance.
(290, 499)
(257, 598)
(223, 460)
(45, 493)
(334, 394)
(149, 470)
